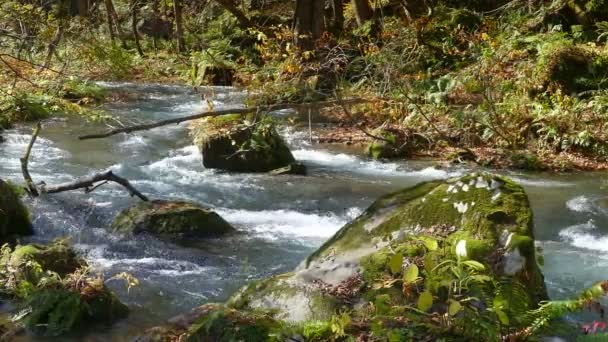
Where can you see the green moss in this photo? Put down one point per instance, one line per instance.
(236, 144)
(57, 257)
(171, 220)
(76, 89)
(226, 325)
(572, 69)
(14, 216)
(56, 312)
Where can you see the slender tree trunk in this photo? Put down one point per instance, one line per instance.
(363, 11)
(108, 4)
(337, 17)
(232, 7)
(308, 22)
(53, 45)
(120, 33)
(134, 10)
(179, 30)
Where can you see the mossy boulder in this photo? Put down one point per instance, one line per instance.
(234, 143)
(572, 69)
(14, 216)
(394, 142)
(171, 220)
(478, 217)
(213, 322)
(57, 257)
(57, 311)
(53, 284)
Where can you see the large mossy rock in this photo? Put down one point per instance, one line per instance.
(14, 216)
(446, 260)
(483, 218)
(232, 143)
(171, 220)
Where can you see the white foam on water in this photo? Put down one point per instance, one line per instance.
(134, 141)
(581, 236)
(369, 167)
(185, 166)
(540, 183)
(153, 265)
(580, 204)
(275, 224)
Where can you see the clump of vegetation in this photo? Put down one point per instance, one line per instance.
(55, 289)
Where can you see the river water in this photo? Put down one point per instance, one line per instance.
(283, 219)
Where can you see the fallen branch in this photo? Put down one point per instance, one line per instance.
(87, 183)
(239, 111)
(25, 160)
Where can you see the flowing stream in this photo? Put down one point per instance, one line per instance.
(283, 219)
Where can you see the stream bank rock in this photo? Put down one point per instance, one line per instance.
(398, 264)
(480, 217)
(234, 143)
(171, 220)
(14, 216)
(61, 296)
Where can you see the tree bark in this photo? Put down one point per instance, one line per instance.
(233, 8)
(337, 17)
(308, 23)
(112, 12)
(363, 11)
(134, 10)
(108, 5)
(53, 45)
(179, 28)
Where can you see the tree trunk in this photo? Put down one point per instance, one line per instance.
(134, 10)
(53, 45)
(308, 23)
(108, 4)
(112, 12)
(337, 17)
(363, 11)
(179, 29)
(233, 8)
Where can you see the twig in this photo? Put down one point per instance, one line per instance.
(238, 111)
(90, 181)
(25, 160)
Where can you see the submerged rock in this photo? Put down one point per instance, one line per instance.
(461, 245)
(230, 143)
(14, 216)
(487, 217)
(172, 220)
(291, 169)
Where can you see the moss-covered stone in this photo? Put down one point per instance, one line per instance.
(488, 217)
(231, 143)
(213, 322)
(57, 257)
(172, 220)
(572, 69)
(14, 216)
(57, 311)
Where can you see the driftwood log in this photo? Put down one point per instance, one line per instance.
(89, 183)
(239, 111)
